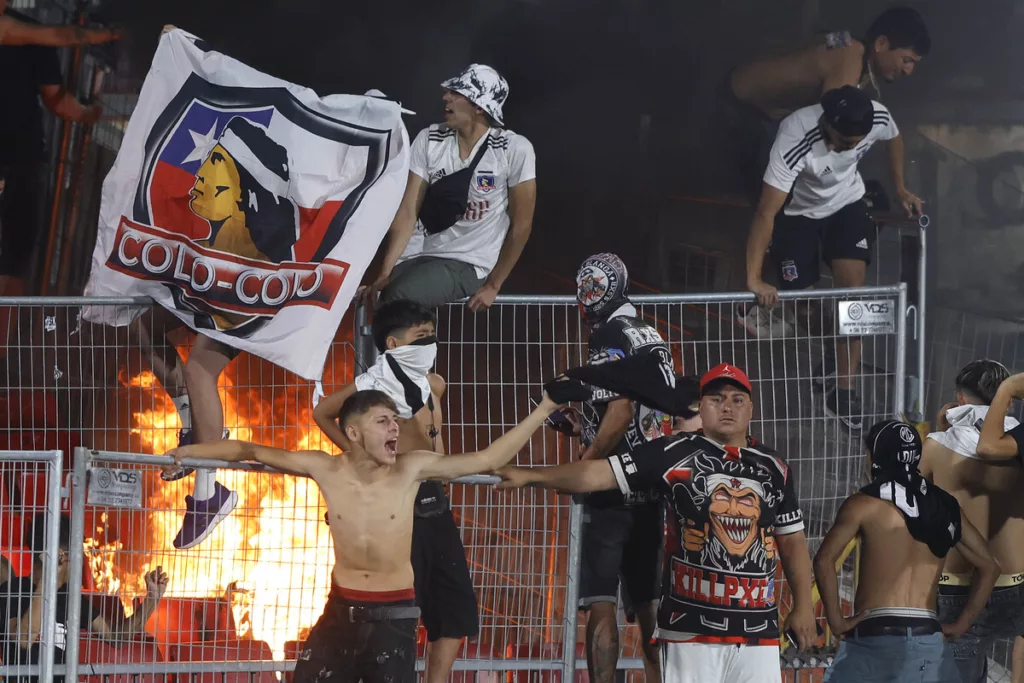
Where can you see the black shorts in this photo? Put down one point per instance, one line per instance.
(20, 218)
(800, 244)
(345, 648)
(444, 589)
(621, 542)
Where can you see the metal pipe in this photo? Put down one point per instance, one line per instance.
(901, 359)
(76, 559)
(572, 592)
(77, 172)
(705, 298)
(65, 146)
(922, 221)
(922, 330)
(49, 626)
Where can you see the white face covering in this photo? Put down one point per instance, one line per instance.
(401, 373)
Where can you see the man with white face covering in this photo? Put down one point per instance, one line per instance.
(468, 206)
(404, 333)
(989, 494)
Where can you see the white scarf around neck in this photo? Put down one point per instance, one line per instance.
(402, 374)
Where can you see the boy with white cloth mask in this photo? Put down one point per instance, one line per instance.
(404, 333)
(989, 494)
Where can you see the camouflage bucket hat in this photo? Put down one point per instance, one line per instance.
(483, 86)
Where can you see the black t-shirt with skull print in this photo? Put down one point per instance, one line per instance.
(620, 337)
(727, 506)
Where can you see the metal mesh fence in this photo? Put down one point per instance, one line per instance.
(261, 578)
(32, 562)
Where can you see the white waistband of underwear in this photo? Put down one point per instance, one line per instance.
(903, 612)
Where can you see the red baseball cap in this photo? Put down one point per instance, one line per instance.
(727, 372)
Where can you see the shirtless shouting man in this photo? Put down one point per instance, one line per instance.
(906, 528)
(404, 333)
(368, 629)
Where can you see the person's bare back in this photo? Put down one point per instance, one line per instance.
(989, 492)
(895, 569)
(781, 84)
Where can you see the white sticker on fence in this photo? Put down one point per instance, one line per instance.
(115, 488)
(867, 317)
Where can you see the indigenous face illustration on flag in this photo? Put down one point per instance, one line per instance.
(229, 220)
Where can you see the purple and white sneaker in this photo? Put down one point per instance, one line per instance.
(203, 516)
(186, 437)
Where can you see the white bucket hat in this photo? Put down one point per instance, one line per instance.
(483, 86)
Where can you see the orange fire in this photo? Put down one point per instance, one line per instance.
(275, 542)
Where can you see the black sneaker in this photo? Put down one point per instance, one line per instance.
(845, 405)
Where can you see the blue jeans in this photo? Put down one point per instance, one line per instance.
(892, 659)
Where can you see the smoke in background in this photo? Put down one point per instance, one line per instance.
(616, 95)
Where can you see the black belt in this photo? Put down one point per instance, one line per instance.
(868, 630)
(360, 615)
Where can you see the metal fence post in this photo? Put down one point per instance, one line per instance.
(922, 330)
(76, 558)
(50, 549)
(572, 593)
(901, 354)
(362, 345)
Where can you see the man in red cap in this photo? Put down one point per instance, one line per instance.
(733, 515)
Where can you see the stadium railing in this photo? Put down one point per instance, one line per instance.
(91, 386)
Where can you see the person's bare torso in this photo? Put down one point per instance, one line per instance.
(414, 434)
(991, 495)
(781, 84)
(370, 513)
(895, 569)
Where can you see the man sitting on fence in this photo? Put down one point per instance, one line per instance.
(733, 514)
(368, 629)
(21, 603)
(404, 333)
(760, 93)
(978, 457)
(811, 201)
(906, 527)
(468, 206)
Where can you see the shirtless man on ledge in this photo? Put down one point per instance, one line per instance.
(906, 528)
(368, 629)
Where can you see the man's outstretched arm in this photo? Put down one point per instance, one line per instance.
(24, 33)
(495, 456)
(583, 476)
(229, 450)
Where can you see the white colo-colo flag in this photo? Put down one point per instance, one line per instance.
(248, 206)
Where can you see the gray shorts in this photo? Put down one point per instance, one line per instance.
(1003, 617)
(906, 659)
(431, 281)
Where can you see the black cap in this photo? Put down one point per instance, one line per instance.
(894, 445)
(848, 110)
